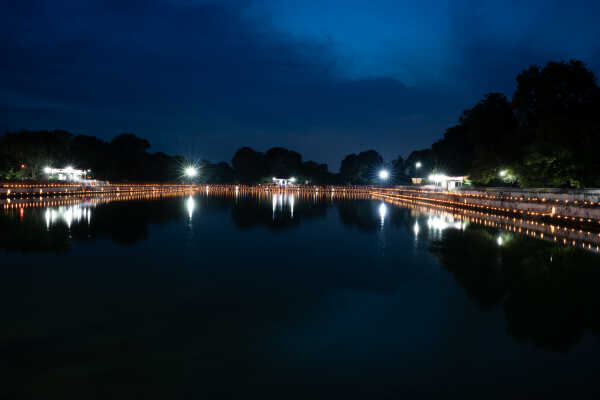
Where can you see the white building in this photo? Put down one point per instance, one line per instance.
(68, 174)
(447, 182)
(283, 181)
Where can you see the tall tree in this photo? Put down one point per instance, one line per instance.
(361, 169)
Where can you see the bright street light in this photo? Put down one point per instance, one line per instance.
(191, 172)
(384, 174)
(418, 164)
(503, 173)
(47, 170)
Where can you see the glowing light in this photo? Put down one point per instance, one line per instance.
(68, 214)
(416, 228)
(418, 164)
(384, 174)
(382, 212)
(503, 173)
(442, 224)
(438, 177)
(47, 170)
(190, 204)
(292, 179)
(500, 241)
(190, 172)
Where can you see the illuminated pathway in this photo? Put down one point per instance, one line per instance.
(442, 217)
(22, 190)
(558, 217)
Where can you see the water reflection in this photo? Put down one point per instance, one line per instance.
(382, 213)
(53, 224)
(531, 270)
(68, 214)
(190, 204)
(285, 287)
(548, 292)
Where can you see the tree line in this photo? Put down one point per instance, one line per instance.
(546, 136)
(25, 154)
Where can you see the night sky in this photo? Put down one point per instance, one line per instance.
(323, 77)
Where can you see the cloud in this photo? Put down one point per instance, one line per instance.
(218, 75)
(194, 69)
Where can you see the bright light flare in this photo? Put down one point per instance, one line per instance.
(190, 172)
(503, 173)
(418, 164)
(384, 174)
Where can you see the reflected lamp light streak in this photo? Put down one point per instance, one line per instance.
(382, 212)
(190, 205)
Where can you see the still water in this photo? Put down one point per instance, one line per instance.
(257, 296)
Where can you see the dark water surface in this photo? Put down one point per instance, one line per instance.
(289, 297)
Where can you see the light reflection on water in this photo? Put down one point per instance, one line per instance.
(190, 205)
(283, 203)
(303, 282)
(68, 214)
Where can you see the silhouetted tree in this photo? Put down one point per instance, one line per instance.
(361, 169)
(548, 136)
(249, 165)
(124, 158)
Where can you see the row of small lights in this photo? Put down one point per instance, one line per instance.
(395, 193)
(502, 209)
(512, 228)
(107, 188)
(384, 174)
(481, 213)
(495, 197)
(300, 194)
(226, 189)
(311, 188)
(104, 198)
(498, 216)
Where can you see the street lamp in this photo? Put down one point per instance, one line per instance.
(503, 173)
(418, 164)
(384, 174)
(190, 172)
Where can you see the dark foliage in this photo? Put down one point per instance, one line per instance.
(361, 169)
(125, 158)
(547, 136)
(251, 166)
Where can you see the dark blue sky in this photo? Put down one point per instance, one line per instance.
(324, 77)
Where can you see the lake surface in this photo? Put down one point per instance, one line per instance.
(323, 296)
